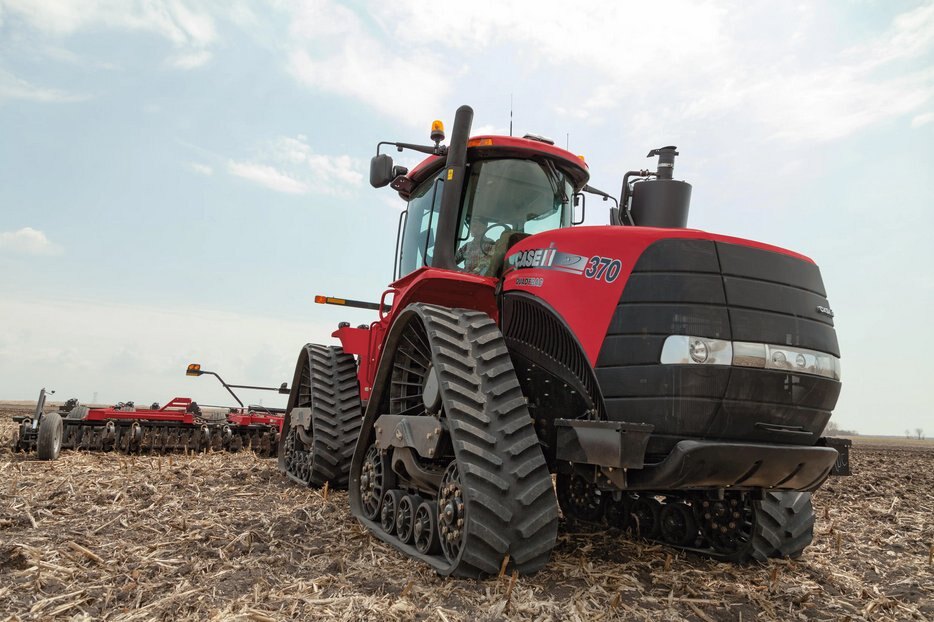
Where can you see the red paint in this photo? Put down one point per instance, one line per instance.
(176, 411)
(587, 305)
(509, 145)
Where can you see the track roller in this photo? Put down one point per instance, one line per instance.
(405, 517)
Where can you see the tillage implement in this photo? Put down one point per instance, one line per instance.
(665, 381)
(179, 425)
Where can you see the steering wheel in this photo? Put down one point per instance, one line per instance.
(492, 226)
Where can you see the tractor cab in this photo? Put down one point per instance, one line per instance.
(511, 188)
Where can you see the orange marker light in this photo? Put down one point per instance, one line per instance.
(193, 370)
(321, 300)
(479, 142)
(437, 131)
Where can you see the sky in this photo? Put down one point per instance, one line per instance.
(179, 178)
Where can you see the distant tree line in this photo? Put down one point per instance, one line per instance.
(833, 429)
(919, 434)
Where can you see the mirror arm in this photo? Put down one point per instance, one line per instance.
(438, 150)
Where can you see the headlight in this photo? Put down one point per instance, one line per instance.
(685, 350)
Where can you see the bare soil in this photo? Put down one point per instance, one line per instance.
(226, 537)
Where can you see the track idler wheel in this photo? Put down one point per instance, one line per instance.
(579, 499)
(375, 479)
(49, 443)
(728, 525)
(779, 525)
(452, 514)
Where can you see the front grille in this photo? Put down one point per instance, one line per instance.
(723, 291)
(536, 332)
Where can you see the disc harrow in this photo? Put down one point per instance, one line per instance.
(179, 426)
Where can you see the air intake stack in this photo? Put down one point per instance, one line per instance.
(658, 202)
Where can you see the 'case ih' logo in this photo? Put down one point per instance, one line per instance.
(548, 258)
(825, 310)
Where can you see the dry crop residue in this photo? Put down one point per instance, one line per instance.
(225, 537)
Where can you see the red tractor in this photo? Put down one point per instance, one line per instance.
(675, 381)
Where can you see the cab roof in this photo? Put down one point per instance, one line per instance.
(486, 147)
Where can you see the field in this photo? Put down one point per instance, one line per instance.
(225, 537)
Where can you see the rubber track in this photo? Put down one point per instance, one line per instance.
(784, 525)
(511, 505)
(336, 414)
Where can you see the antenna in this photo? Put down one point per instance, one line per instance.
(567, 141)
(510, 114)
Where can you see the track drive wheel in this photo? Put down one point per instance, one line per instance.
(49, 443)
(495, 497)
(326, 383)
(579, 499)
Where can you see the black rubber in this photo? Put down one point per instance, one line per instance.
(49, 443)
(78, 412)
(783, 526)
(509, 498)
(325, 381)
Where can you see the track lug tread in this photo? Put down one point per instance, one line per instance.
(511, 504)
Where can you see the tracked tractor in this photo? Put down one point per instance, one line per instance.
(664, 381)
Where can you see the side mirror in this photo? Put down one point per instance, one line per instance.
(284, 388)
(580, 204)
(381, 170)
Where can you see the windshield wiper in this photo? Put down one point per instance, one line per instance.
(556, 181)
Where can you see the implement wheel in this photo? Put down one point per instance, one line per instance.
(49, 443)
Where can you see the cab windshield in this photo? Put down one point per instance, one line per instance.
(502, 197)
(509, 196)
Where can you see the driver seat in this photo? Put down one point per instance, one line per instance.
(498, 257)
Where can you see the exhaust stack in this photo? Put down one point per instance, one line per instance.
(662, 201)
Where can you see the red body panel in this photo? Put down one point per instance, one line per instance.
(448, 288)
(587, 304)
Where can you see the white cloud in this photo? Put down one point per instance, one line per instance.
(772, 67)
(189, 30)
(288, 164)
(267, 176)
(28, 241)
(202, 169)
(12, 87)
(191, 60)
(333, 50)
(922, 119)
